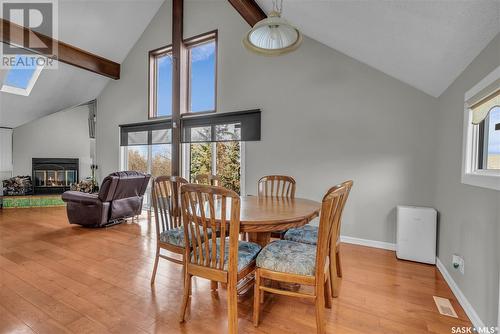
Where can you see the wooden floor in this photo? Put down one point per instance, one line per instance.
(60, 278)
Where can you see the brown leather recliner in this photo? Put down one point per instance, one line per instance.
(120, 197)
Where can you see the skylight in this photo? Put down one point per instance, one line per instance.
(21, 77)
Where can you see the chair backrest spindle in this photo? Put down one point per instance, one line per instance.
(280, 186)
(166, 202)
(207, 207)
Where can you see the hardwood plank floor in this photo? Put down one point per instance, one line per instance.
(59, 278)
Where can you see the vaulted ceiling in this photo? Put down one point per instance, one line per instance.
(108, 28)
(426, 44)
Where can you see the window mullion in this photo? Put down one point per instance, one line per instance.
(214, 158)
(150, 158)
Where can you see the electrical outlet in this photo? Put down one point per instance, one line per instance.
(458, 263)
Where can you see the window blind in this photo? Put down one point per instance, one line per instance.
(217, 127)
(147, 133)
(481, 109)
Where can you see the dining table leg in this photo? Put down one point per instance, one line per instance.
(261, 238)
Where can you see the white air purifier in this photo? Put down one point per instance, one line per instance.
(416, 234)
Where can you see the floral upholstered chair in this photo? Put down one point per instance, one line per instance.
(308, 234)
(300, 263)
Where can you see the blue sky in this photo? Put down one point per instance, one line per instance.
(202, 80)
(494, 136)
(203, 77)
(164, 86)
(19, 75)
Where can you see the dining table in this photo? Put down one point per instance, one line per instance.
(262, 215)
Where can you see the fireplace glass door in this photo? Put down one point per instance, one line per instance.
(52, 175)
(54, 178)
(40, 177)
(70, 177)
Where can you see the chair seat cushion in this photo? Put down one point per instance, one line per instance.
(247, 252)
(175, 236)
(306, 234)
(288, 257)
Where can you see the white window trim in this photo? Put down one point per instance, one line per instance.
(470, 174)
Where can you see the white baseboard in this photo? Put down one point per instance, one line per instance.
(469, 310)
(369, 243)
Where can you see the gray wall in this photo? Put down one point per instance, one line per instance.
(326, 118)
(63, 134)
(469, 218)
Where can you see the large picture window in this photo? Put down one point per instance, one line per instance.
(191, 139)
(214, 145)
(200, 74)
(211, 144)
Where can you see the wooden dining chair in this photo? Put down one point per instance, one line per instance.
(168, 218)
(276, 186)
(309, 234)
(300, 263)
(221, 259)
(210, 179)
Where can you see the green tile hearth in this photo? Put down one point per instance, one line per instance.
(32, 201)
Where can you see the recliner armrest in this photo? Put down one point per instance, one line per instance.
(80, 197)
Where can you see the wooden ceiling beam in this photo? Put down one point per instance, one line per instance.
(249, 10)
(14, 34)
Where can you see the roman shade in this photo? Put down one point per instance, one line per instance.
(147, 133)
(481, 109)
(216, 127)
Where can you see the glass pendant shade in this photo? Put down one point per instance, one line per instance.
(273, 36)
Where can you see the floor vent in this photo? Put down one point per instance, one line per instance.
(444, 307)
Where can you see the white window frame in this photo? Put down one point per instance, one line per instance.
(185, 168)
(471, 175)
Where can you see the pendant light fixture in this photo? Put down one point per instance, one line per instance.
(273, 36)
